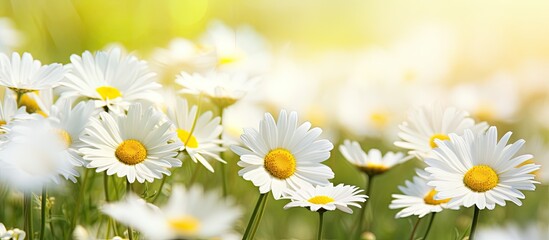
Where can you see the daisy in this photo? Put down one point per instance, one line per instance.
(24, 74)
(189, 214)
(198, 135)
(223, 89)
(33, 155)
(8, 109)
(418, 198)
(513, 231)
(15, 234)
(326, 198)
(427, 124)
(374, 162)
(39, 102)
(282, 155)
(70, 124)
(112, 79)
(480, 170)
(137, 146)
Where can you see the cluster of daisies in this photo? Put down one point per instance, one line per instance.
(104, 113)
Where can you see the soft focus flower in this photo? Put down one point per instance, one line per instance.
(33, 154)
(282, 155)
(198, 134)
(418, 198)
(326, 198)
(137, 146)
(512, 232)
(480, 170)
(189, 214)
(24, 74)
(111, 79)
(427, 124)
(12, 234)
(8, 109)
(374, 162)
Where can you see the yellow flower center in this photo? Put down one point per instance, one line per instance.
(187, 138)
(131, 152)
(108, 92)
(229, 58)
(280, 163)
(481, 178)
(320, 199)
(184, 225)
(31, 104)
(438, 136)
(430, 198)
(2, 123)
(379, 119)
(374, 168)
(65, 137)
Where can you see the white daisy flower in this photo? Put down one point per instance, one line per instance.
(512, 231)
(15, 234)
(427, 124)
(8, 109)
(281, 156)
(480, 170)
(111, 79)
(326, 198)
(137, 146)
(39, 102)
(33, 154)
(374, 162)
(418, 198)
(71, 124)
(199, 135)
(223, 89)
(189, 214)
(24, 74)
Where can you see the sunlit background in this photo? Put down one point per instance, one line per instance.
(354, 68)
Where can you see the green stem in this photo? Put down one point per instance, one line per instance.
(159, 189)
(43, 213)
(79, 199)
(106, 187)
(429, 226)
(369, 185)
(258, 220)
(195, 174)
(128, 191)
(50, 223)
(414, 229)
(254, 214)
(320, 224)
(223, 169)
(27, 212)
(474, 223)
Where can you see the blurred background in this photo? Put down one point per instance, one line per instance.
(354, 68)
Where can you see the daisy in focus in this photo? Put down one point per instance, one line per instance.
(326, 198)
(189, 214)
(31, 170)
(138, 146)
(198, 135)
(373, 163)
(223, 89)
(283, 155)
(480, 170)
(427, 124)
(21, 73)
(112, 79)
(418, 198)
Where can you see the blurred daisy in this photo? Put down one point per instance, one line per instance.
(30, 170)
(240, 50)
(24, 74)
(111, 79)
(281, 156)
(539, 148)
(326, 198)
(137, 146)
(374, 162)
(223, 89)
(198, 135)
(183, 55)
(189, 214)
(427, 124)
(418, 198)
(513, 232)
(9, 36)
(8, 109)
(480, 170)
(14, 234)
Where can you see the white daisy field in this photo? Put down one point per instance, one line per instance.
(235, 119)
